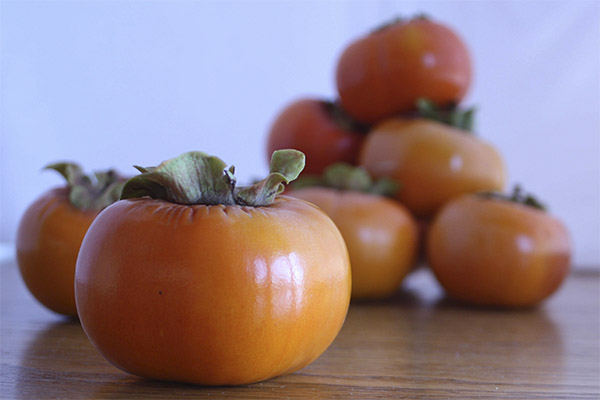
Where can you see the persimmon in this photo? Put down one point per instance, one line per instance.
(380, 233)
(434, 162)
(52, 229)
(494, 250)
(318, 128)
(384, 73)
(191, 278)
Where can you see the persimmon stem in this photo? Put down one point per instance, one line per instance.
(344, 176)
(90, 192)
(517, 196)
(198, 178)
(450, 115)
(399, 20)
(342, 119)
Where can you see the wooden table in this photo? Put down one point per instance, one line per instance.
(415, 345)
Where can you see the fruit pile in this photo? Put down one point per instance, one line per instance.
(180, 274)
(398, 117)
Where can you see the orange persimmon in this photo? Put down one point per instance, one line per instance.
(320, 130)
(491, 250)
(190, 279)
(433, 162)
(380, 233)
(384, 73)
(52, 229)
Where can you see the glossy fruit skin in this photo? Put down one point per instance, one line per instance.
(308, 126)
(498, 253)
(384, 73)
(380, 233)
(48, 240)
(432, 162)
(212, 295)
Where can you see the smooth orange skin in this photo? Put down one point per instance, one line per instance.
(212, 295)
(307, 126)
(432, 162)
(380, 233)
(48, 240)
(498, 253)
(384, 73)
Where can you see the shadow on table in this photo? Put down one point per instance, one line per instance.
(59, 362)
(140, 388)
(436, 339)
(49, 359)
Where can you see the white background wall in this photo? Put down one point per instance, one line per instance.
(116, 83)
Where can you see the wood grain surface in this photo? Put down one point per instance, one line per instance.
(417, 345)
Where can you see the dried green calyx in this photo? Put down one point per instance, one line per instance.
(198, 178)
(401, 20)
(343, 119)
(342, 176)
(517, 196)
(451, 115)
(90, 192)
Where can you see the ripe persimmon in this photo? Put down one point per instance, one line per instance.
(494, 250)
(320, 129)
(384, 73)
(52, 229)
(189, 278)
(433, 162)
(380, 233)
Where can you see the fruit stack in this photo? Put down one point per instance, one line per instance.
(398, 121)
(185, 276)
